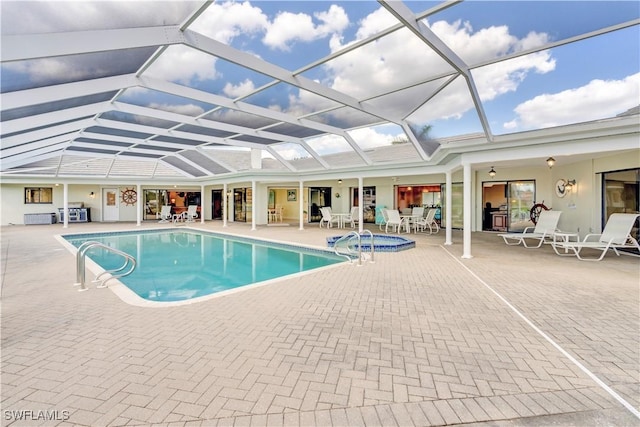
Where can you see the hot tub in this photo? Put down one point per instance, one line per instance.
(381, 242)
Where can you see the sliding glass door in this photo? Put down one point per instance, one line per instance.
(521, 198)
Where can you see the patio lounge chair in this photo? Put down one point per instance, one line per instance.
(616, 235)
(542, 232)
(165, 214)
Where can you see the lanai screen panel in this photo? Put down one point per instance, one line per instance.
(239, 118)
(479, 31)
(394, 62)
(204, 162)
(450, 112)
(290, 99)
(346, 118)
(237, 158)
(55, 17)
(130, 167)
(121, 116)
(294, 131)
(41, 72)
(164, 101)
(48, 107)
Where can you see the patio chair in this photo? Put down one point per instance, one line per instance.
(417, 211)
(385, 218)
(393, 220)
(165, 214)
(279, 213)
(192, 213)
(353, 217)
(541, 233)
(328, 218)
(616, 235)
(428, 221)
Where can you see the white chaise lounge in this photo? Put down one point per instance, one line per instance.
(543, 231)
(616, 235)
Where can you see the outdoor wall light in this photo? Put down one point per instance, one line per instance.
(340, 181)
(492, 172)
(551, 161)
(570, 184)
(92, 195)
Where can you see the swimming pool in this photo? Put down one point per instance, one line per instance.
(185, 264)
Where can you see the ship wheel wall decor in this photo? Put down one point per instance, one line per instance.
(535, 211)
(129, 196)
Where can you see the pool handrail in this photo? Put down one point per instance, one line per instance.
(371, 260)
(81, 270)
(349, 255)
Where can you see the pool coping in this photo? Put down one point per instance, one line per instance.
(130, 297)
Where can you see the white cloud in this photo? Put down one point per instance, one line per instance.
(291, 151)
(380, 65)
(329, 144)
(370, 137)
(288, 28)
(182, 64)
(50, 69)
(513, 124)
(596, 100)
(235, 91)
(497, 79)
(186, 109)
(23, 17)
(228, 20)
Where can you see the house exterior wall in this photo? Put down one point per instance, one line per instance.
(581, 208)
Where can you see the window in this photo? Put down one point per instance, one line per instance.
(38, 195)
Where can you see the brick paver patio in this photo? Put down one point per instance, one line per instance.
(419, 338)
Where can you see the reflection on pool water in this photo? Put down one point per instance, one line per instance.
(381, 242)
(182, 264)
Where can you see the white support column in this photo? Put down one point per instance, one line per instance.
(467, 210)
(301, 204)
(65, 204)
(448, 190)
(253, 205)
(140, 204)
(202, 204)
(225, 205)
(361, 205)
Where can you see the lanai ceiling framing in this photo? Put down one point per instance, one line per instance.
(118, 110)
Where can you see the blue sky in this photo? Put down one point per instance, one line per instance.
(586, 80)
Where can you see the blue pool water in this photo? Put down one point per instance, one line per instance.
(185, 264)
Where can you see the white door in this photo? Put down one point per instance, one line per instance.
(110, 208)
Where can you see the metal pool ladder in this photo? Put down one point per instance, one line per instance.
(350, 250)
(126, 268)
